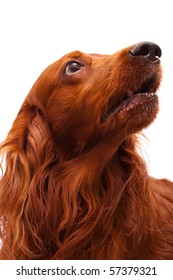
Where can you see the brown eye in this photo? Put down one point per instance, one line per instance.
(73, 67)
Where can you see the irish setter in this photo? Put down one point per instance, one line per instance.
(74, 186)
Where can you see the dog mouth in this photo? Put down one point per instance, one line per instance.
(128, 101)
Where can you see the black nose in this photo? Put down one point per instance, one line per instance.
(146, 49)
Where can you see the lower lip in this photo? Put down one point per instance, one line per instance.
(137, 100)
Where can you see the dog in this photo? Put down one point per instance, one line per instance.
(74, 186)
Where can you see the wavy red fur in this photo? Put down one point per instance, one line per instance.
(74, 186)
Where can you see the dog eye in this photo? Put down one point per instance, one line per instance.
(73, 67)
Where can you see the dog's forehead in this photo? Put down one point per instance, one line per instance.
(96, 55)
(84, 56)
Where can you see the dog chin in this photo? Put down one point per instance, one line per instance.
(135, 114)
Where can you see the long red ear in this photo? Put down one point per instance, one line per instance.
(28, 152)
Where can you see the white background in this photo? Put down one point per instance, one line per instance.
(33, 34)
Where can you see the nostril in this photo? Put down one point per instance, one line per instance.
(146, 49)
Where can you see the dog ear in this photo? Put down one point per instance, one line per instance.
(28, 152)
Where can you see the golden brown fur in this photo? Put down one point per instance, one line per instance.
(74, 186)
